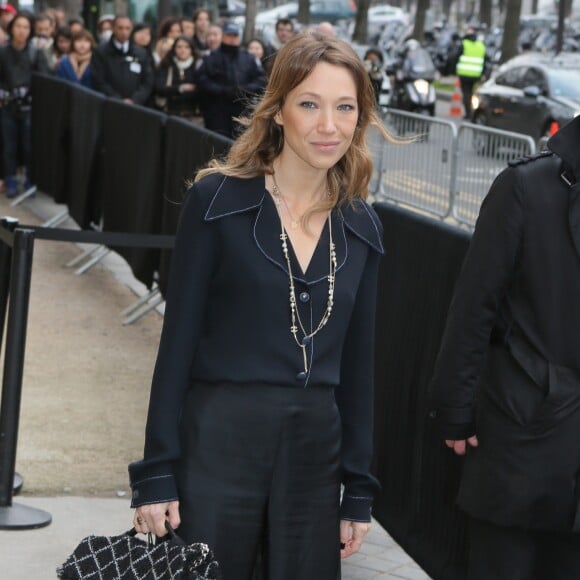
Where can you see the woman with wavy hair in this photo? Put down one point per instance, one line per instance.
(261, 403)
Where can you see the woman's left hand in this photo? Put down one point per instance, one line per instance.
(352, 535)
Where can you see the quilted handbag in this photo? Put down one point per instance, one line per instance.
(127, 557)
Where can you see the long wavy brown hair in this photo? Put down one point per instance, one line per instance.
(254, 151)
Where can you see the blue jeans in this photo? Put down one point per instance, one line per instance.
(15, 126)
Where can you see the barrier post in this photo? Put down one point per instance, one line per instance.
(9, 224)
(16, 516)
(453, 180)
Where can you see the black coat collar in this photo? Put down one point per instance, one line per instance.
(133, 49)
(566, 145)
(236, 195)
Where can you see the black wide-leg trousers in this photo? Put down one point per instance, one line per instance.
(260, 463)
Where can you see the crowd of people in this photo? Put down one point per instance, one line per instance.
(189, 66)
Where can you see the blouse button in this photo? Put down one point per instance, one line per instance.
(301, 376)
(304, 297)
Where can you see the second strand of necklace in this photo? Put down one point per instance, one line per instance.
(294, 223)
(296, 322)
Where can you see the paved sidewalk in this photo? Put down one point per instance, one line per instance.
(35, 554)
(57, 446)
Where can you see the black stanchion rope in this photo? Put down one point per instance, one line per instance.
(121, 239)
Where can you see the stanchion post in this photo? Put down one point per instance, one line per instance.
(16, 516)
(9, 224)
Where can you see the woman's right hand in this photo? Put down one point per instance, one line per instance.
(151, 518)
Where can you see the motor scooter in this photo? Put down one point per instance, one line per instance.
(414, 73)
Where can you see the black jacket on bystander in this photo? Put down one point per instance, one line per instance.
(227, 79)
(508, 369)
(122, 75)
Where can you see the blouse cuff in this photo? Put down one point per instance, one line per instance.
(150, 487)
(356, 508)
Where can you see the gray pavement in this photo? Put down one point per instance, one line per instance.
(35, 554)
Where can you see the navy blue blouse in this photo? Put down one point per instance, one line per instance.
(65, 71)
(227, 319)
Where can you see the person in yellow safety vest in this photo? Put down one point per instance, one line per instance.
(470, 66)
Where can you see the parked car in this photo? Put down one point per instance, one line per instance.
(145, 10)
(533, 93)
(394, 33)
(320, 11)
(288, 10)
(231, 8)
(331, 10)
(378, 17)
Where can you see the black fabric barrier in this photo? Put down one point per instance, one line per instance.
(419, 475)
(85, 170)
(188, 147)
(133, 140)
(50, 129)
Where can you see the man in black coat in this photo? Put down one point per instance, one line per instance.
(121, 69)
(226, 80)
(506, 388)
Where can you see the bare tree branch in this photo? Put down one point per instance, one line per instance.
(485, 12)
(251, 11)
(511, 30)
(419, 28)
(360, 33)
(304, 11)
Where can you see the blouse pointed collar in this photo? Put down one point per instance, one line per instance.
(236, 195)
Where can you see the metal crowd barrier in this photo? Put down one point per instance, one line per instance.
(482, 153)
(439, 168)
(418, 170)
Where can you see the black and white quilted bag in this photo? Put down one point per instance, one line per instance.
(126, 557)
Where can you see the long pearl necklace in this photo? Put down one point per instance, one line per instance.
(296, 322)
